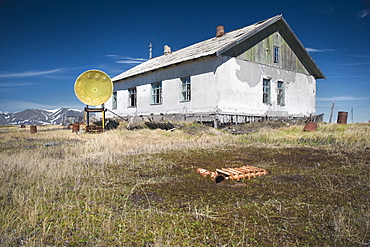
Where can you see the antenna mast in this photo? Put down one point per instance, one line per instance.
(150, 49)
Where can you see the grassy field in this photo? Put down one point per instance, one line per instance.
(139, 188)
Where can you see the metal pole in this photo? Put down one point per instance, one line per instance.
(150, 51)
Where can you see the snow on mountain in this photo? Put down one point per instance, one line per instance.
(42, 117)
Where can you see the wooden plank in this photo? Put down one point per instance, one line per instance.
(246, 169)
(235, 171)
(223, 172)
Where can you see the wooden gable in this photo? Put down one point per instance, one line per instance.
(259, 48)
(264, 52)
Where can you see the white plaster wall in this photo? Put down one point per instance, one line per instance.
(239, 87)
(203, 89)
(219, 84)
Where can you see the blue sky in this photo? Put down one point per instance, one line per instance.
(45, 45)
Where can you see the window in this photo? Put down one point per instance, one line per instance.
(276, 54)
(185, 89)
(132, 97)
(114, 100)
(280, 93)
(266, 91)
(156, 93)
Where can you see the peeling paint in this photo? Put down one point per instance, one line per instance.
(245, 73)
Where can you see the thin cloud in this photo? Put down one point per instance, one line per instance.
(342, 98)
(357, 64)
(29, 73)
(363, 13)
(11, 87)
(129, 61)
(125, 59)
(11, 84)
(319, 50)
(362, 56)
(20, 105)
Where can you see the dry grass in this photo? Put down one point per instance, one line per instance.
(138, 188)
(348, 136)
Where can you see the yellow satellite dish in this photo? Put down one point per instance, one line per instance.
(93, 87)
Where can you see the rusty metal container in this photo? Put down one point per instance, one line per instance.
(33, 129)
(310, 126)
(75, 128)
(342, 117)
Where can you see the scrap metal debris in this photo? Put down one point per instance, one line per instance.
(223, 174)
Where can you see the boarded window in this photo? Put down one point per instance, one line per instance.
(280, 93)
(266, 91)
(132, 98)
(114, 100)
(185, 89)
(276, 54)
(156, 93)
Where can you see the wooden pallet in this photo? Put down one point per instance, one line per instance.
(223, 174)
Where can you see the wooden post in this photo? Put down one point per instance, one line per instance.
(215, 122)
(103, 118)
(331, 112)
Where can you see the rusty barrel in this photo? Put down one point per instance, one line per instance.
(342, 117)
(33, 129)
(75, 128)
(310, 126)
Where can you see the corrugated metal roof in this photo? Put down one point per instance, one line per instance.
(212, 46)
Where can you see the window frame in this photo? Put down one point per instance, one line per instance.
(156, 93)
(266, 91)
(132, 97)
(114, 100)
(276, 50)
(280, 97)
(185, 89)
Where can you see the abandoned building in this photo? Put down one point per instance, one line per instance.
(259, 71)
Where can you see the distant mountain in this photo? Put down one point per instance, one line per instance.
(42, 117)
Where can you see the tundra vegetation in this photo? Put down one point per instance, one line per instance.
(138, 187)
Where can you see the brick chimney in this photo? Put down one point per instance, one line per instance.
(220, 31)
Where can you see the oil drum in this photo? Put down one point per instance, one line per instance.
(342, 117)
(33, 129)
(310, 126)
(75, 128)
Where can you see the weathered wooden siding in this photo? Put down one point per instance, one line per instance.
(263, 52)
